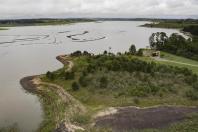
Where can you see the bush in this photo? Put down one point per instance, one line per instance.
(136, 100)
(195, 86)
(193, 95)
(69, 75)
(103, 82)
(75, 86)
(76, 53)
(50, 75)
(83, 81)
(140, 52)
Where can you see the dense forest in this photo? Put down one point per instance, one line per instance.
(191, 29)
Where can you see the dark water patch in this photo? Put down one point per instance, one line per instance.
(79, 34)
(64, 32)
(75, 39)
(88, 40)
(9, 42)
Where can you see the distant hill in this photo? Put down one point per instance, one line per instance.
(43, 21)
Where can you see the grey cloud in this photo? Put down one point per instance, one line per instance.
(97, 8)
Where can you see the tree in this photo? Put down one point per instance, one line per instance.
(105, 52)
(86, 53)
(158, 40)
(75, 86)
(132, 49)
(76, 53)
(140, 52)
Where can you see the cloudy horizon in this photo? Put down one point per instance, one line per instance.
(10, 9)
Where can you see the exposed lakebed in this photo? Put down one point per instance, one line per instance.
(31, 50)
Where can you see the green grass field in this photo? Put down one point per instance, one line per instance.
(180, 62)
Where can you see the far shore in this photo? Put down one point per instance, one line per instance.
(40, 22)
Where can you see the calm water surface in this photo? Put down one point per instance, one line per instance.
(32, 50)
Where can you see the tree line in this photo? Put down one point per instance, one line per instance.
(175, 44)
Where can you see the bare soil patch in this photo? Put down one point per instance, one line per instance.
(135, 118)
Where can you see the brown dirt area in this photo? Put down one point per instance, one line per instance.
(131, 118)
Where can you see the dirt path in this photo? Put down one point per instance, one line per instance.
(65, 60)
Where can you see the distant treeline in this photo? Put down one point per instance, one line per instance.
(147, 19)
(25, 22)
(172, 23)
(175, 44)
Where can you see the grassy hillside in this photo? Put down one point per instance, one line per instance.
(103, 81)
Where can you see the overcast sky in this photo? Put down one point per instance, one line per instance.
(98, 8)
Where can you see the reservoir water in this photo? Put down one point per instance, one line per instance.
(31, 50)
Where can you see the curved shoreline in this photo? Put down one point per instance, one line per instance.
(27, 82)
(32, 84)
(28, 85)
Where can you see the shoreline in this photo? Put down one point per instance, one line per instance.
(28, 85)
(32, 85)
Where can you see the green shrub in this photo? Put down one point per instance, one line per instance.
(103, 82)
(193, 95)
(195, 86)
(140, 52)
(136, 100)
(69, 75)
(50, 75)
(83, 81)
(75, 86)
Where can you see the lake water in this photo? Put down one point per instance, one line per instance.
(32, 50)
